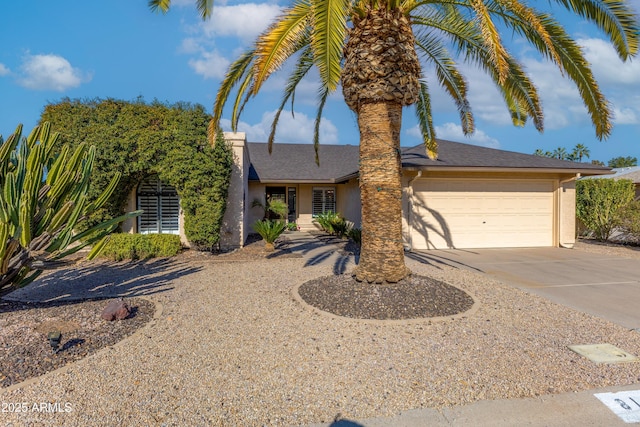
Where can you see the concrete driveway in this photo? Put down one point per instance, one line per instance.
(602, 285)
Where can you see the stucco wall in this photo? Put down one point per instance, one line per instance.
(567, 217)
(234, 230)
(349, 201)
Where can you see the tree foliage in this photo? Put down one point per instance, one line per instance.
(601, 204)
(44, 199)
(139, 139)
(622, 162)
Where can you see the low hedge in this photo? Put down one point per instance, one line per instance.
(123, 246)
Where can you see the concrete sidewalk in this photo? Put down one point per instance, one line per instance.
(561, 410)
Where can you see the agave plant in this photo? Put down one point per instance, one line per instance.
(44, 198)
(269, 231)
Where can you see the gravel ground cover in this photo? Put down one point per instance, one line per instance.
(234, 346)
(25, 351)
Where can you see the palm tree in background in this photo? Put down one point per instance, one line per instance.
(580, 151)
(377, 50)
(560, 153)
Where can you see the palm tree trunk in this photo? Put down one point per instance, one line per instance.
(382, 252)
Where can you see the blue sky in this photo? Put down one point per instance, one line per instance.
(119, 49)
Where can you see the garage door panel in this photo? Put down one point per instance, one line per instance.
(482, 213)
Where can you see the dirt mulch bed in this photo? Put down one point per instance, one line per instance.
(254, 249)
(412, 298)
(24, 348)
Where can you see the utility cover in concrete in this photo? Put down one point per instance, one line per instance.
(625, 404)
(603, 353)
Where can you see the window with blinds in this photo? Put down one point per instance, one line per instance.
(161, 207)
(324, 200)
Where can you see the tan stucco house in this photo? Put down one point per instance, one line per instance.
(471, 197)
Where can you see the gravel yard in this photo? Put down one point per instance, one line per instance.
(234, 346)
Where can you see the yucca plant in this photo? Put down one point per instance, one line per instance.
(44, 198)
(269, 231)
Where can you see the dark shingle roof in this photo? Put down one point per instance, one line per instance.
(338, 163)
(296, 162)
(458, 155)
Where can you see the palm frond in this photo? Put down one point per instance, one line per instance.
(280, 41)
(425, 121)
(234, 74)
(491, 38)
(205, 7)
(324, 94)
(328, 37)
(615, 18)
(579, 71)
(448, 75)
(305, 62)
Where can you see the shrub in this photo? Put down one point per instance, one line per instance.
(165, 245)
(276, 208)
(123, 246)
(139, 139)
(355, 234)
(40, 215)
(269, 231)
(630, 222)
(333, 223)
(292, 226)
(601, 202)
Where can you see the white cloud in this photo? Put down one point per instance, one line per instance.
(4, 70)
(50, 72)
(452, 131)
(244, 21)
(626, 116)
(607, 66)
(210, 65)
(298, 129)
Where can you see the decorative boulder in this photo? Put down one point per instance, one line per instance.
(116, 310)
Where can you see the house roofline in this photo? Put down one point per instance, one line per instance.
(583, 172)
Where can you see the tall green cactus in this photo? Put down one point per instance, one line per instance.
(43, 199)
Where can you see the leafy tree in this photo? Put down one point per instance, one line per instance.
(139, 139)
(601, 203)
(44, 198)
(622, 162)
(597, 162)
(371, 48)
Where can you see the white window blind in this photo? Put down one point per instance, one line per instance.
(161, 207)
(324, 200)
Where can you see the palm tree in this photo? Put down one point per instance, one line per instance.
(371, 48)
(560, 153)
(580, 151)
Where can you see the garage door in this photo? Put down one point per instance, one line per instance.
(481, 213)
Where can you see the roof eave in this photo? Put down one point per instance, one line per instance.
(581, 171)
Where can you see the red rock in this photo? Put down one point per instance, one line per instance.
(116, 310)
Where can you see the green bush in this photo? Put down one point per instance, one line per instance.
(355, 234)
(292, 226)
(333, 223)
(269, 230)
(139, 139)
(600, 204)
(123, 246)
(630, 223)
